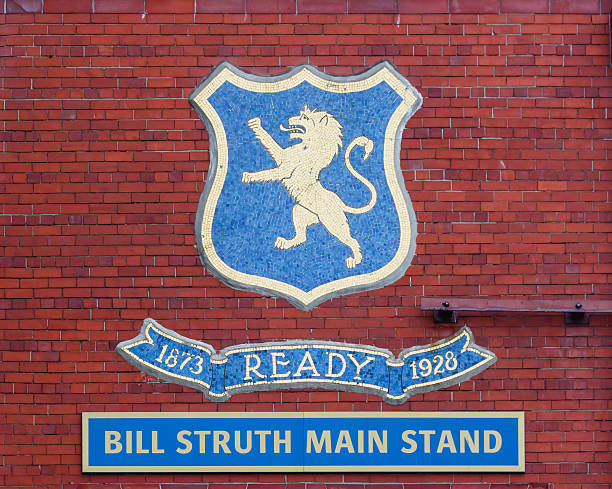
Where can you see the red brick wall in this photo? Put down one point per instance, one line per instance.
(103, 163)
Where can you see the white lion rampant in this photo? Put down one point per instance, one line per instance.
(298, 167)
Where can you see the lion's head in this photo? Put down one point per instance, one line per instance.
(315, 126)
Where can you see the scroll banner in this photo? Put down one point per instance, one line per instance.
(298, 364)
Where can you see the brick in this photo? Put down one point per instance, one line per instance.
(122, 7)
(169, 7)
(67, 6)
(213, 7)
(102, 168)
(473, 6)
(321, 6)
(23, 6)
(524, 6)
(367, 6)
(574, 6)
(271, 6)
(418, 7)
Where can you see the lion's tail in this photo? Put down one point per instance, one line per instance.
(368, 145)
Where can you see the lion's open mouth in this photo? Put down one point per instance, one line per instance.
(293, 129)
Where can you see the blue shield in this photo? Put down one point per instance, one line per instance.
(304, 197)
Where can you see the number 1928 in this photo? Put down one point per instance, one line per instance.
(437, 365)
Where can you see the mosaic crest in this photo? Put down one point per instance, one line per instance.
(304, 198)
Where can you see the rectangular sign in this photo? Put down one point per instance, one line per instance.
(304, 442)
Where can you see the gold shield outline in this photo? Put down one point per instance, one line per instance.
(411, 101)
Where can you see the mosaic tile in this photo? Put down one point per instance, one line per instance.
(305, 199)
(302, 364)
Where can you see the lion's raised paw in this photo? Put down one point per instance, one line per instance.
(254, 123)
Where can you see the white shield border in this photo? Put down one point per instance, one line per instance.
(389, 273)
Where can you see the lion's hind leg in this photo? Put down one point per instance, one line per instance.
(337, 224)
(302, 218)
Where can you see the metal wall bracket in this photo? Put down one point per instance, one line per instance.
(445, 315)
(447, 310)
(577, 316)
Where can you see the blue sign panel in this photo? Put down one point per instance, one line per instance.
(303, 442)
(304, 364)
